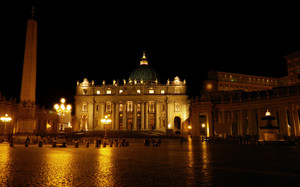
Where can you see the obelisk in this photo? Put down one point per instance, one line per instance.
(28, 90)
(26, 124)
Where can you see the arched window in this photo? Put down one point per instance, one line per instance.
(84, 107)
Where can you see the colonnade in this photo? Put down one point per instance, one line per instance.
(141, 115)
(247, 121)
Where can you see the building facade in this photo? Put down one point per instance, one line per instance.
(139, 103)
(235, 104)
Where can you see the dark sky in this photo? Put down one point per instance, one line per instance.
(104, 41)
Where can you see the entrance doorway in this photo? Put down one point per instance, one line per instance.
(177, 122)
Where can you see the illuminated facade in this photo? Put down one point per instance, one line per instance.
(139, 103)
(224, 81)
(234, 104)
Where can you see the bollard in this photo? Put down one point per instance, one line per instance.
(64, 144)
(40, 143)
(54, 144)
(87, 144)
(11, 143)
(76, 144)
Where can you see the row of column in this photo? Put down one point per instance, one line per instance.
(115, 116)
(248, 121)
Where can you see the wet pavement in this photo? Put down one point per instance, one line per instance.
(191, 164)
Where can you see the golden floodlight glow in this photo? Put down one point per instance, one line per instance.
(209, 86)
(203, 125)
(268, 113)
(63, 100)
(189, 127)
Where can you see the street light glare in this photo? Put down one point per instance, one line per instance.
(62, 109)
(6, 118)
(62, 106)
(56, 106)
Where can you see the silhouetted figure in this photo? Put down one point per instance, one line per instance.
(181, 141)
(159, 141)
(146, 142)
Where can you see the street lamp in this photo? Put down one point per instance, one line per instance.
(5, 119)
(203, 125)
(61, 110)
(105, 121)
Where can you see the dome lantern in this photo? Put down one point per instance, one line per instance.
(144, 60)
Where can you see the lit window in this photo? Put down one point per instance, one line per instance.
(177, 107)
(138, 108)
(98, 92)
(121, 108)
(108, 91)
(120, 91)
(138, 91)
(162, 91)
(151, 107)
(129, 106)
(151, 91)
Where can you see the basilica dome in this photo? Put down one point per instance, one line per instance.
(144, 72)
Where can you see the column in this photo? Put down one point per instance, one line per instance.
(241, 123)
(134, 116)
(282, 122)
(117, 116)
(167, 114)
(285, 130)
(292, 124)
(147, 116)
(157, 121)
(102, 114)
(112, 115)
(142, 115)
(296, 120)
(124, 116)
(251, 126)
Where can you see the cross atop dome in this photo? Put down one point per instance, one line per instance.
(144, 60)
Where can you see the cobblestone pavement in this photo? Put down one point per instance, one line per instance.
(171, 164)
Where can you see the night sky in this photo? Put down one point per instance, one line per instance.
(104, 41)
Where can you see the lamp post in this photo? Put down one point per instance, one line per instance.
(5, 119)
(105, 121)
(61, 110)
